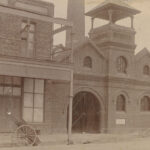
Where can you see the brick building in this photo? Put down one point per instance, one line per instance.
(32, 86)
(111, 83)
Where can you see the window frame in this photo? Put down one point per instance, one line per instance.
(118, 103)
(146, 70)
(33, 106)
(145, 105)
(8, 88)
(121, 64)
(88, 62)
(29, 52)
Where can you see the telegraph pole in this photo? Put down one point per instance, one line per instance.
(70, 141)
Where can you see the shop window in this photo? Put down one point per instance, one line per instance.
(122, 64)
(87, 62)
(28, 36)
(145, 103)
(33, 100)
(121, 103)
(146, 70)
(10, 86)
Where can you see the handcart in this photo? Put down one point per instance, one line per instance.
(25, 134)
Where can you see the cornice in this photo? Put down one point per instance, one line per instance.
(111, 80)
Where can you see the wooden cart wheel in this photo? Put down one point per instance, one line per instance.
(25, 135)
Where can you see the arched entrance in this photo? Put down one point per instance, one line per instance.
(86, 113)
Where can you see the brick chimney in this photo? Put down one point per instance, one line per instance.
(75, 13)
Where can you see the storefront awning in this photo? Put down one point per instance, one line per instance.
(35, 70)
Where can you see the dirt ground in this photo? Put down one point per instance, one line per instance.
(85, 142)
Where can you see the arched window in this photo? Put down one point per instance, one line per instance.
(122, 64)
(87, 62)
(121, 103)
(146, 70)
(145, 103)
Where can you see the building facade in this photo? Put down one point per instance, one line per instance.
(32, 86)
(111, 84)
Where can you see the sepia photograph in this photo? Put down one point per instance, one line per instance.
(74, 74)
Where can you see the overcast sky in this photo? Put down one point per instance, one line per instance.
(142, 21)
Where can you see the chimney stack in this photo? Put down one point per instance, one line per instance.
(75, 14)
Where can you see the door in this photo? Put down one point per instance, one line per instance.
(86, 113)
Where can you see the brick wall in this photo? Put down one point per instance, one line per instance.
(56, 104)
(10, 36)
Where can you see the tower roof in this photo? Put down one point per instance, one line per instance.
(120, 10)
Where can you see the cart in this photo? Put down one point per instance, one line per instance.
(24, 135)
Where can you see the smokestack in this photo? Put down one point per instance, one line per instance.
(75, 14)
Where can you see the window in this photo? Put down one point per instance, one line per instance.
(121, 103)
(33, 100)
(145, 103)
(28, 36)
(10, 86)
(146, 70)
(87, 62)
(121, 65)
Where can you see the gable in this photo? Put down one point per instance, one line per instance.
(97, 60)
(93, 46)
(144, 53)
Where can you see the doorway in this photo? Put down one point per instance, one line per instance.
(86, 113)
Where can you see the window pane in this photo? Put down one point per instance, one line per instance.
(87, 62)
(28, 85)
(121, 104)
(38, 100)
(31, 37)
(27, 114)
(1, 90)
(39, 86)
(28, 100)
(24, 36)
(8, 80)
(7, 90)
(17, 81)
(32, 27)
(23, 25)
(38, 115)
(145, 103)
(16, 91)
(1, 79)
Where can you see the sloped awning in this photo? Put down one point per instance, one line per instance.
(32, 69)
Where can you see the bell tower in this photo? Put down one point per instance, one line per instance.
(117, 42)
(75, 14)
(112, 34)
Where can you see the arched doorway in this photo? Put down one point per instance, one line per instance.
(86, 113)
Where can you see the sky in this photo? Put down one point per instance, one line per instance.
(141, 21)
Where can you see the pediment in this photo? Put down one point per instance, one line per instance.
(143, 53)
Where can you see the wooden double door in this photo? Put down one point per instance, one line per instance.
(9, 104)
(86, 113)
